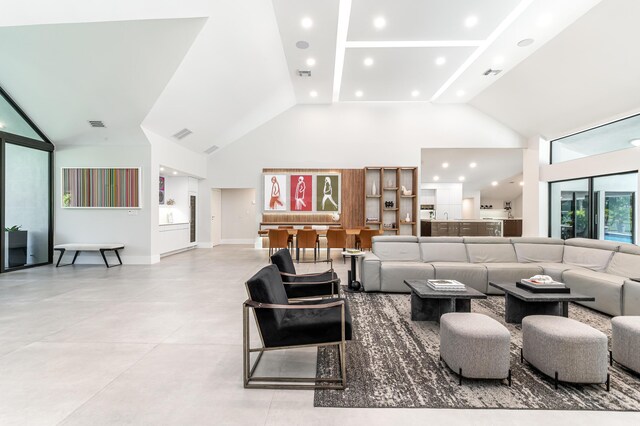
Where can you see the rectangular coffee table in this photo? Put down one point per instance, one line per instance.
(519, 303)
(428, 304)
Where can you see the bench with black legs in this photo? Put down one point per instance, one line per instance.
(102, 248)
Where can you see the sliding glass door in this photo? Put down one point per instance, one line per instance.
(599, 207)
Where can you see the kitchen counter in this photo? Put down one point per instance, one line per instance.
(461, 228)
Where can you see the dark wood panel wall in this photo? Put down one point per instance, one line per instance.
(352, 193)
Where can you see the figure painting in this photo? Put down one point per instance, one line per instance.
(275, 192)
(301, 193)
(327, 193)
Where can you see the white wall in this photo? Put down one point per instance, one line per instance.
(353, 135)
(106, 225)
(239, 211)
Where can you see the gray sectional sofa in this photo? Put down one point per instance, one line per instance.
(602, 269)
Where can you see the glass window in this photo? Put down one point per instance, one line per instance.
(570, 209)
(12, 122)
(614, 205)
(607, 138)
(26, 206)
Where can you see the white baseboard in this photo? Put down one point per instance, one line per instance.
(205, 245)
(238, 241)
(169, 253)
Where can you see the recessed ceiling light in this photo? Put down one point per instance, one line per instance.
(460, 93)
(368, 62)
(380, 22)
(175, 173)
(634, 142)
(162, 169)
(313, 93)
(445, 165)
(302, 44)
(436, 178)
(359, 94)
(461, 178)
(415, 93)
(473, 165)
(471, 21)
(441, 60)
(521, 183)
(306, 23)
(494, 183)
(525, 42)
(311, 62)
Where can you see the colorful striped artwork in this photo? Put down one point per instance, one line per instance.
(101, 187)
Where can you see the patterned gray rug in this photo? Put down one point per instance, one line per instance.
(394, 362)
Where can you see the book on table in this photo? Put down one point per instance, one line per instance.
(446, 285)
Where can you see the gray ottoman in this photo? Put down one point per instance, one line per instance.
(625, 341)
(475, 346)
(565, 349)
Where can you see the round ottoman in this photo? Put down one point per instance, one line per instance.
(625, 341)
(565, 349)
(475, 346)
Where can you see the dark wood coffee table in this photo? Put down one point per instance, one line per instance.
(519, 303)
(428, 304)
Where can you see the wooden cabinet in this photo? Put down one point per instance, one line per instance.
(459, 229)
(512, 228)
(388, 204)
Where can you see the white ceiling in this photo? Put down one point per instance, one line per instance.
(584, 76)
(404, 51)
(501, 165)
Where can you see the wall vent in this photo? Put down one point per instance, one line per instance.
(492, 72)
(182, 134)
(304, 73)
(96, 123)
(211, 149)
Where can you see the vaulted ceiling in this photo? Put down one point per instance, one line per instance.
(222, 68)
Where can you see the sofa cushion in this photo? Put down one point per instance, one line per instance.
(393, 275)
(624, 265)
(370, 271)
(490, 253)
(555, 270)
(537, 253)
(537, 240)
(629, 248)
(392, 248)
(509, 273)
(606, 288)
(631, 298)
(443, 252)
(441, 240)
(487, 240)
(590, 258)
(470, 274)
(595, 244)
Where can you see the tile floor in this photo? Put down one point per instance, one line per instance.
(161, 344)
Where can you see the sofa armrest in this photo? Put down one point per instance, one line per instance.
(631, 298)
(370, 272)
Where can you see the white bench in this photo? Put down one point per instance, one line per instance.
(102, 248)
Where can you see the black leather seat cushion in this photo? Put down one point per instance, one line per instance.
(309, 326)
(305, 290)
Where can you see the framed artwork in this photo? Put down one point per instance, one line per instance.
(101, 187)
(328, 192)
(301, 195)
(275, 192)
(161, 199)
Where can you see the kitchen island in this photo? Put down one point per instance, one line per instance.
(461, 228)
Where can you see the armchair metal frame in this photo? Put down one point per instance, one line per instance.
(273, 382)
(312, 274)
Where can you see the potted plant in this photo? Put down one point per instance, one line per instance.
(16, 240)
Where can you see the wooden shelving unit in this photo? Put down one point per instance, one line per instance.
(388, 188)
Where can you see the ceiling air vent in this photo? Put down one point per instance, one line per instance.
(304, 73)
(492, 72)
(182, 134)
(96, 123)
(211, 149)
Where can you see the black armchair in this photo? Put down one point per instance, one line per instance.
(284, 325)
(300, 286)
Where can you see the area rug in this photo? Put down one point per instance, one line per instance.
(394, 362)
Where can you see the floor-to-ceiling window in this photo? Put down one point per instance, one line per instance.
(25, 190)
(601, 207)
